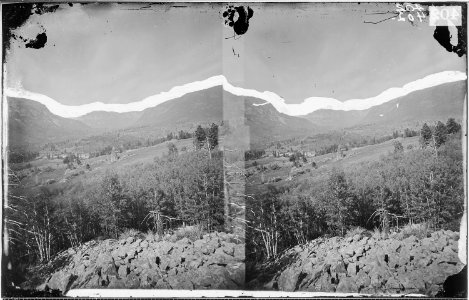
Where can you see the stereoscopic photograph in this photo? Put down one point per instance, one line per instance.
(277, 147)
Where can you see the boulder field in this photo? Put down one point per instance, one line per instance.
(215, 261)
(363, 264)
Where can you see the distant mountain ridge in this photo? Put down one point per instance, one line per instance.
(431, 104)
(216, 105)
(30, 122)
(308, 105)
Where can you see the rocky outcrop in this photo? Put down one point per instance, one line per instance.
(214, 262)
(363, 264)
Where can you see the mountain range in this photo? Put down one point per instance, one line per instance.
(32, 123)
(431, 104)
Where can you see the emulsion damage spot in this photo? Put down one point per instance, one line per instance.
(39, 42)
(238, 18)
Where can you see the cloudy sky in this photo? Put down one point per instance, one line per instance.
(121, 54)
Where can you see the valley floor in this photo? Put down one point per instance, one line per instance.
(280, 172)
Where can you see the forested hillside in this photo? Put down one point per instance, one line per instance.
(409, 186)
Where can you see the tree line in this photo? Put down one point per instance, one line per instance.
(21, 156)
(253, 154)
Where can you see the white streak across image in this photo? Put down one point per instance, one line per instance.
(307, 106)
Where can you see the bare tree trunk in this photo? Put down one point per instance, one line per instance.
(386, 224)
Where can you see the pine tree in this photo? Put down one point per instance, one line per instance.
(200, 137)
(172, 149)
(425, 135)
(339, 200)
(398, 148)
(452, 126)
(213, 136)
(439, 135)
(111, 204)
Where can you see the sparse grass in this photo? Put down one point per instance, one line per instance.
(193, 233)
(420, 231)
(151, 236)
(356, 230)
(129, 233)
(376, 234)
(48, 169)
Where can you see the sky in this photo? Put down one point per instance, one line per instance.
(321, 54)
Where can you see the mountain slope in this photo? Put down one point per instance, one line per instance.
(30, 122)
(436, 103)
(216, 105)
(110, 120)
(197, 107)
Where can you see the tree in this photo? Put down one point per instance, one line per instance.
(110, 204)
(409, 132)
(200, 137)
(183, 135)
(172, 149)
(263, 222)
(452, 126)
(398, 148)
(339, 199)
(439, 135)
(425, 135)
(212, 136)
(297, 157)
(34, 218)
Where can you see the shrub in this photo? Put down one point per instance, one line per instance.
(398, 148)
(48, 169)
(274, 167)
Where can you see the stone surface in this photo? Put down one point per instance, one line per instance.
(288, 279)
(367, 265)
(216, 261)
